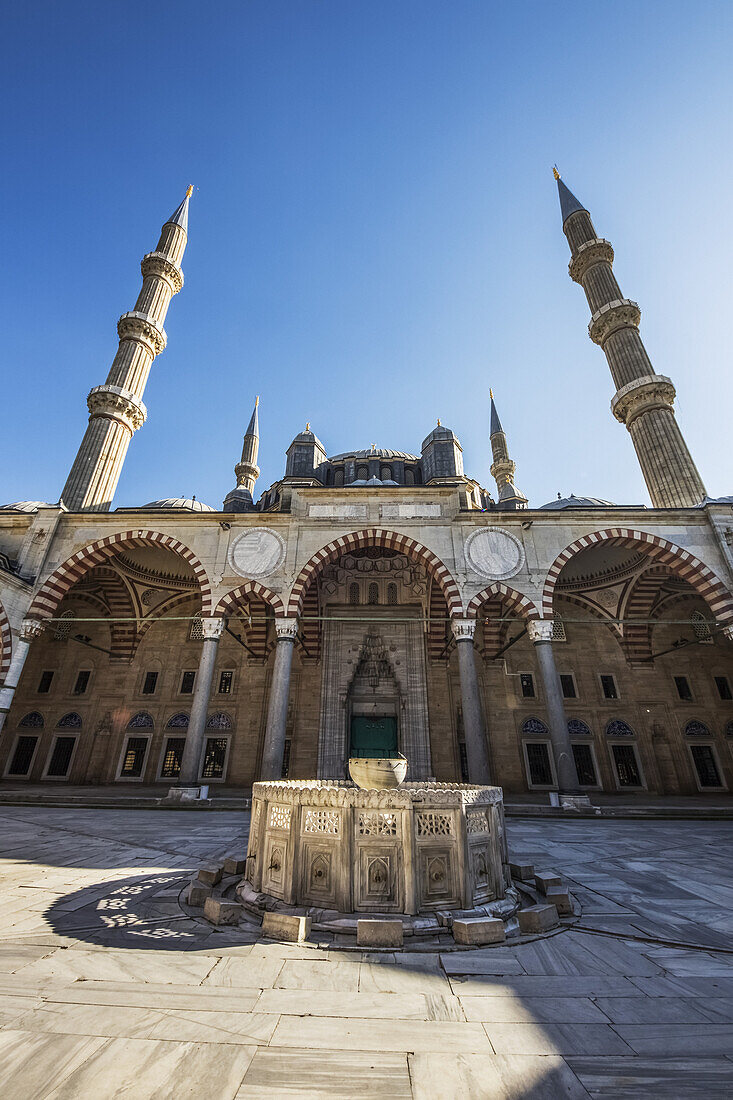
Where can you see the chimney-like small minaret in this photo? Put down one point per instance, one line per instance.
(240, 499)
(116, 409)
(502, 468)
(643, 400)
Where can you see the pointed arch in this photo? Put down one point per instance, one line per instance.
(228, 603)
(388, 540)
(55, 587)
(513, 600)
(659, 551)
(496, 600)
(6, 644)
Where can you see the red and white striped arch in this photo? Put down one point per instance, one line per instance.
(229, 603)
(659, 551)
(511, 600)
(6, 644)
(388, 540)
(53, 590)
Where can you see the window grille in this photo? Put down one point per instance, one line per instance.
(225, 682)
(722, 683)
(33, 720)
(188, 679)
(70, 721)
(150, 684)
(534, 725)
(683, 688)
(177, 722)
(584, 765)
(63, 626)
(354, 593)
(701, 626)
(705, 765)
(23, 756)
(558, 630)
(140, 721)
(171, 768)
(392, 594)
(373, 593)
(627, 766)
(526, 684)
(578, 728)
(214, 758)
(44, 684)
(219, 722)
(695, 728)
(82, 681)
(538, 759)
(58, 765)
(617, 728)
(132, 764)
(196, 632)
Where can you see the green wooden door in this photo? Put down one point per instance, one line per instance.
(373, 737)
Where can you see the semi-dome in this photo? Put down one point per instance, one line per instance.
(378, 452)
(577, 502)
(26, 506)
(183, 504)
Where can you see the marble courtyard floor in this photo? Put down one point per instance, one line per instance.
(109, 989)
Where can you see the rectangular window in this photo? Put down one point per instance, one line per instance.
(585, 765)
(225, 682)
(215, 758)
(134, 758)
(150, 683)
(683, 688)
(608, 686)
(60, 762)
(722, 683)
(171, 768)
(705, 765)
(44, 684)
(567, 683)
(286, 760)
(188, 679)
(23, 756)
(538, 763)
(526, 685)
(627, 767)
(82, 681)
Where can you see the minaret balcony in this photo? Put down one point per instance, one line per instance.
(621, 313)
(141, 326)
(587, 254)
(157, 263)
(114, 403)
(653, 391)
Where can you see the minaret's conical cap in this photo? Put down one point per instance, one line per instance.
(568, 202)
(495, 422)
(253, 427)
(180, 215)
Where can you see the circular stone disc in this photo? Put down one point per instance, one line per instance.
(494, 553)
(257, 553)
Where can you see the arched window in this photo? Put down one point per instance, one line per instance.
(141, 721)
(338, 477)
(386, 473)
(701, 626)
(409, 476)
(219, 722)
(578, 728)
(196, 633)
(391, 593)
(617, 728)
(63, 626)
(695, 728)
(354, 593)
(70, 721)
(177, 722)
(362, 473)
(535, 726)
(373, 593)
(33, 720)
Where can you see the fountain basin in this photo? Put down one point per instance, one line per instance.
(378, 773)
(419, 848)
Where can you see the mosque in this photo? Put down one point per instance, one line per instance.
(372, 601)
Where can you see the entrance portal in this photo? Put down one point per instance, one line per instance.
(373, 736)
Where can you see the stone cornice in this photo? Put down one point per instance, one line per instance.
(342, 793)
(620, 313)
(117, 404)
(157, 263)
(589, 253)
(653, 391)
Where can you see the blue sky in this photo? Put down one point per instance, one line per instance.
(375, 235)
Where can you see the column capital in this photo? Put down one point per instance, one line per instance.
(30, 629)
(286, 629)
(212, 628)
(540, 630)
(463, 629)
(728, 632)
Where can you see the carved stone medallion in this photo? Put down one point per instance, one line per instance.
(494, 553)
(257, 553)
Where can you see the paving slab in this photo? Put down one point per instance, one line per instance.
(480, 1076)
(374, 1006)
(379, 1035)
(527, 1010)
(326, 1075)
(564, 1039)
(668, 1078)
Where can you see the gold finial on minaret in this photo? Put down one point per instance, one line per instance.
(439, 424)
(555, 172)
(257, 400)
(189, 191)
(491, 394)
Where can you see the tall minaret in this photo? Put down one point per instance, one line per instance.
(247, 471)
(502, 468)
(643, 400)
(116, 409)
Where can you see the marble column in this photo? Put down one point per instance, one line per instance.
(29, 629)
(540, 634)
(212, 629)
(277, 710)
(473, 719)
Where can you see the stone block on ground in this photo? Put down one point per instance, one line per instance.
(576, 802)
(543, 880)
(522, 871)
(197, 893)
(560, 898)
(219, 911)
(379, 933)
(234, 865)
(283, 926)
(479, 930)
(210, 873)
(538, 918)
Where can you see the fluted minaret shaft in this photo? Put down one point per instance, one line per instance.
(644, 400)
(116, 409)
(247, 471)
(503, 468)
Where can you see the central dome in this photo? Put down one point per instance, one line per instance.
(378, 452)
